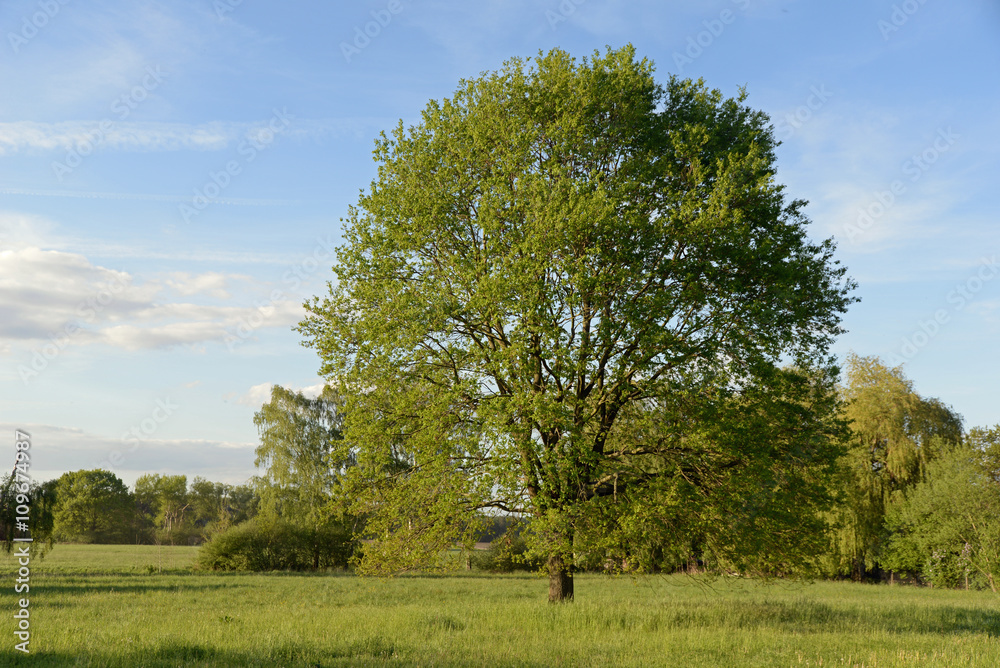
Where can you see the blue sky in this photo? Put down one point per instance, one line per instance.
(172, 178)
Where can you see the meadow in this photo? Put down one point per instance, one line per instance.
(134, 606)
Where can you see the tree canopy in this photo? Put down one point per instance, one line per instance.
(895, 434)
(41, 501)
(298, 435)
(93, 506)
(302, 464)
(164, 500)
(567, 295)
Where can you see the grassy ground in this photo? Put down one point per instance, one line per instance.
(102, 606)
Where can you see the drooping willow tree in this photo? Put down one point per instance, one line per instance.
(40, 499)
(895, 434)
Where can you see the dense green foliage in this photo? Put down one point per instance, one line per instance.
(298, 438)
(216, 506)
(302, 470)
(41, 502)
(947, 528)
(94, 507)
(265, 544)
(557, 255)
(164, 500)
(895, 436)
(506, 554)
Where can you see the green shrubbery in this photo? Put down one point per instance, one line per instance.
(506, 555)
(264, 544)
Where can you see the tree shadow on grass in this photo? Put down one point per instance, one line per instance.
(371, 651)
(817, 617)
(74, 589)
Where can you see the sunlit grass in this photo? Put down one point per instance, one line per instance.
(84, 613)
(93, 559)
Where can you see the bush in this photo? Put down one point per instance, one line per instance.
(276, 545)
(506, 555)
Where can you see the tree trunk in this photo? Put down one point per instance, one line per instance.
(858, 572)
(560, 581)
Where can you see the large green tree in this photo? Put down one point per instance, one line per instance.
(946, 528)
(301, 463)
(93, 506)
(216, 506)
(895, 434)
(554, 248)
(163, 501)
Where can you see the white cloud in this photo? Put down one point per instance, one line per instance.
(863, 171)
(112, 134)
(41, 291)
(258, 395)
(134, 337)
(29, 135)
(21, 230)
(72, 449)
(195, 323)
(211, 283)
(53, 294)
(313, 391)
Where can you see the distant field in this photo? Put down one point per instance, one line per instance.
(101, 606)
(118, 559)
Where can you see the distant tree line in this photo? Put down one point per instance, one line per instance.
(96, 506)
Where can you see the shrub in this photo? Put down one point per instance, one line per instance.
(272, 545)
(506, 555)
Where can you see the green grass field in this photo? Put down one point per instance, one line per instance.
(114, 606)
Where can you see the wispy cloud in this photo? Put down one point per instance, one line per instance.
(110, 134)
(146, 197)
(877, 180)
(72, 448)
(50, 295)
(29, 135)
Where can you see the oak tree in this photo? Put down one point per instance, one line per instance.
(560, 276)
